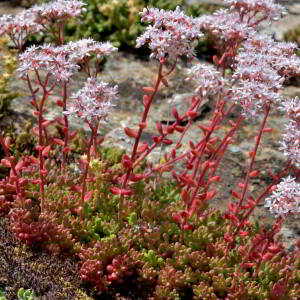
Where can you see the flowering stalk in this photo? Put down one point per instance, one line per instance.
(147, 103)
(66, 126)
(254, 152)
(91, 104)
(174, 31)
(87, 163)
(41, 126)
(164, 132)
(40, 147)
(266, 192)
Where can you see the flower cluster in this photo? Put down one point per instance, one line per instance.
(290, 145)
(57, 11)
(19, 27)
(266, 7)
(226, 25)
(292, 108)
(92, 101)
(62, 61)
(171, 33)
(208, 79)
(81, 49)
(251, 95)
(285, 200)
(47, 58)
(261, 68)
(256, 85)
(279, 55)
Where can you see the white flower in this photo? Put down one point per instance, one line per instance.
(279, 55)
(285, 200)
(19, 27)
(225, 25)
(291, 142)
(292, 107)
(49, 59)
(261, 67)
(208, 79)
(265, 7)
(171, 33)
(79, 50)
(57, 11)
(251, 95)
(93, 101)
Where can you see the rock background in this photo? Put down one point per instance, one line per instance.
(131, 73)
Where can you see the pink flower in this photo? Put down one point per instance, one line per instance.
(33, 20)
(260, 70)
(19, 27)
(208, 79)
(52, 60)
(266, 8)
(292, 108)
(171, 33)
(79, 50)
(225, 25)
(278, 55)
(285, 200)
(255, 83)
(57, 11)
(291, 142)
(61, 62)
(93, 101)
(251, 95)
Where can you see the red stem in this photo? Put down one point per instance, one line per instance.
(267, 110)
(94, 133)
(144, 117)
(66, 128)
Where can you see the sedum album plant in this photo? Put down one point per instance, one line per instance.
(119, 217)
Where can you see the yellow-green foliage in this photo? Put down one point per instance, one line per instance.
(8, 67)
(150, 248)
(118, 20)
(122, 14)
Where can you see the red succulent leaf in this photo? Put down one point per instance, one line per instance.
(88, 196)
(58, 142)
(127, 162)
(118, 191)
(232, 207)
(130, 132)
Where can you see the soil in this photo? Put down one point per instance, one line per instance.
(51, 277)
